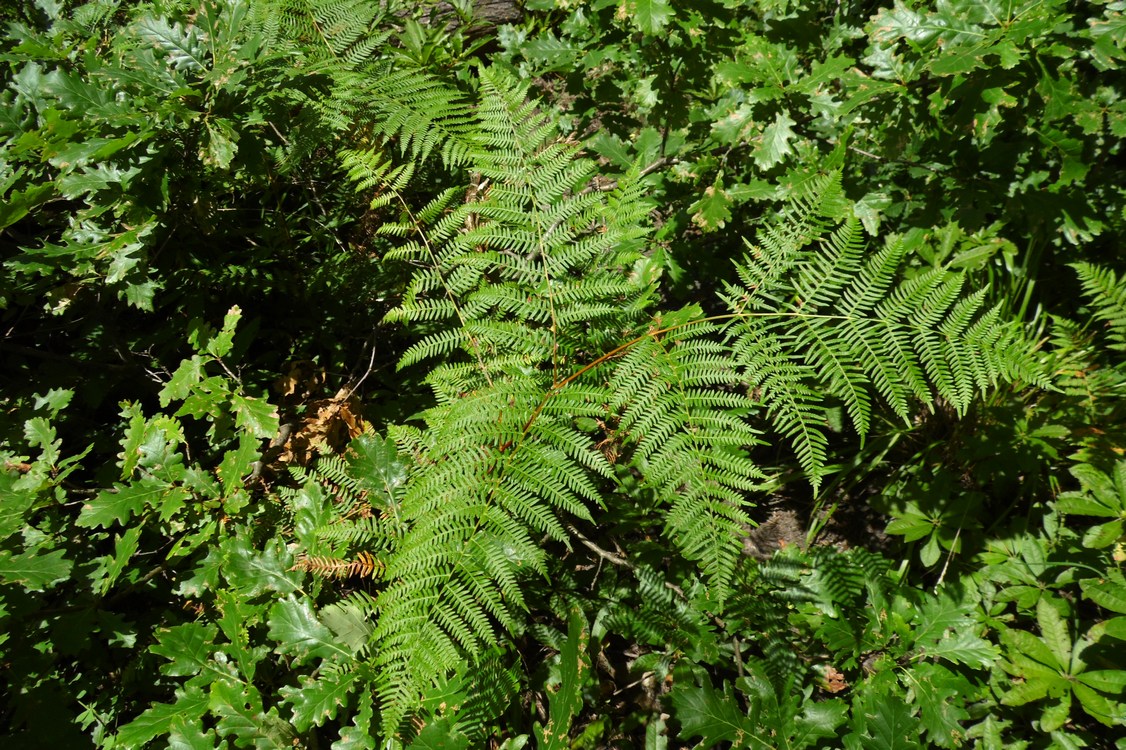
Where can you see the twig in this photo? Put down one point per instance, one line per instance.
(609, 186)
(885, 159)
(604, 554)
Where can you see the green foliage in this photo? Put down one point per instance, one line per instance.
(567, 700)
(356, 397)
(834, 325)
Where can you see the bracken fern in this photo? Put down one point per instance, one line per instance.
(531, 320)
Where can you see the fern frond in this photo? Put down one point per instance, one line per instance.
(528, 252)
(813, 323)
(346, 32)
(690, 439)
(488, 484)
(1108, 293)
(361, 566)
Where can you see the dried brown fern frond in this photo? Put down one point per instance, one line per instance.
(364, 565)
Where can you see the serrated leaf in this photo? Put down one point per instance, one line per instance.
(930, 552)
(1106, 680)
(158, 720)
(1115, 628)
(1097, 483)
(964, 647)
(187, 646)
(1098, 706)
(1055, 714)
(650, 16)
(256, 415)
(1023, 692)
(890, 725)
(911, 527)
(1054, 631)
(1109, 594)
(1025, 643)
(1103, 535)
(34, 571)
(775, 143)
(713, 717)
(295, 629)
(1079, 504)
(253, 573)
(318, 699)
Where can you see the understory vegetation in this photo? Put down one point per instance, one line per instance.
(578, 374)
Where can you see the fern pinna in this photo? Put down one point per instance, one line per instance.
(532, 320)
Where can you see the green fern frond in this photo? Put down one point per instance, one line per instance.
(1108, 293)
(653, 614)
(345, 32)
(529, 251)
(486, 487)
(526, 306)
(817, 322)
(690, 439)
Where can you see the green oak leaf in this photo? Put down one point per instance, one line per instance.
(187, 734)
(240, 712)
(941, 695)
(713, 210)
(318, 700)
(187, 646)
(441, 734)
(650, 16)
(254, 573)
(891, 725)
(775, 143)
(34, 571)
(159, 720)
(180, 385)
(712, 716)
(297, 631)
(257, 415)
